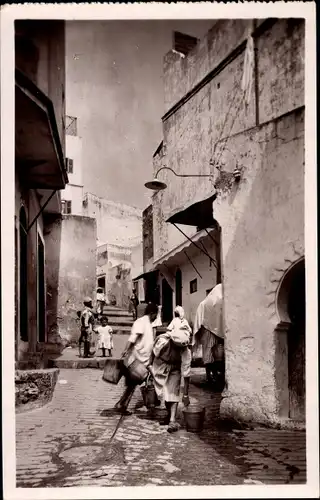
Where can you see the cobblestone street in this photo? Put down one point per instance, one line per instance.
(142, 451)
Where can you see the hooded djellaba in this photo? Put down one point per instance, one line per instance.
(172, 360)
(209, 333)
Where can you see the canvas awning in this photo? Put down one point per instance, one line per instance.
(145, 275)
(199, 214)
(38, 152)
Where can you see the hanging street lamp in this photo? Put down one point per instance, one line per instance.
(157, 185)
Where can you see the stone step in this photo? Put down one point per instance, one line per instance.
(121, 329)
(82, 363)
(119, 321)
(117, 313)
(78, 363)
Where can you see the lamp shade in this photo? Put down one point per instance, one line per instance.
(155, 185)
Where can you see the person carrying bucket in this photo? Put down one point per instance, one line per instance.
(138, 349)
(172, 359)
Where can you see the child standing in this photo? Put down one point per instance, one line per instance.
(86, 326)
(105, 340)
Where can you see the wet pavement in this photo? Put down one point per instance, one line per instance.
(67, 443)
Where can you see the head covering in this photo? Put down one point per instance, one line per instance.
(180, 311)
(87, 300)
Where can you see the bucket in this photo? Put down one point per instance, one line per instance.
(113, 371)
(218, 352)
(137, 371)
(149, 396)
(194, 418)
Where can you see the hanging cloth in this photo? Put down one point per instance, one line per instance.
(248, 66)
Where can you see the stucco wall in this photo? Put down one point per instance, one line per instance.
(77, 273)
(194, 133)
(182, 74)
(262, 235)
(116, 223)
(136, 260)
(119, 265)
(262, 215)
(74, 190)
(52, 237)
(75, 195)
(74, 151)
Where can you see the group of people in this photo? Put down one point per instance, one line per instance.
(167, 358)
(89, 329)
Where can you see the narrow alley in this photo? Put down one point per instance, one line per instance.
(66, 443)
(162, 328)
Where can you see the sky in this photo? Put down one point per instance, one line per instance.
(114, 86)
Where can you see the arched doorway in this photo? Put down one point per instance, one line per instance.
(23, 265)
(178, 287)
(167, 302)
(291, 308)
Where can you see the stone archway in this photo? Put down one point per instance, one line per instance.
(290, 304)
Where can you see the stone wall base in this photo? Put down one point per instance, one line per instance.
(244, 409)
(34, 388)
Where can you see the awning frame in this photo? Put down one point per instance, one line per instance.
(197, 246)
(41, 209)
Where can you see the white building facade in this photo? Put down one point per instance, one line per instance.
(72, 196)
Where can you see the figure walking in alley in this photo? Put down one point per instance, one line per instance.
(101, 300)
(105, 340)
(134, 302)
(138, 350)
(208, 332)
(86, 327)
(172, 359)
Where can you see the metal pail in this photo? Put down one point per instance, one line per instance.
(194, 416)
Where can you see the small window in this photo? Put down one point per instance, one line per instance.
(69, 165)
(66, 206)
(193, 286)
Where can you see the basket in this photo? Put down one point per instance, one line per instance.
(113, 371)
(194, 416)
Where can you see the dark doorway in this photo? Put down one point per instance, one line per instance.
(296, 342)
(152, 293)
(178, 287)
(41, 293)
(167, 302)
(23, 292)
(102, 283)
